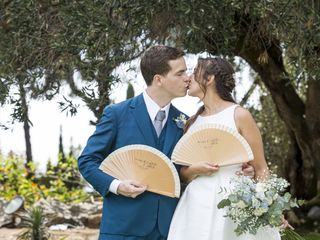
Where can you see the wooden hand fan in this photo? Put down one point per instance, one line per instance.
(146, 165)
(214, 143)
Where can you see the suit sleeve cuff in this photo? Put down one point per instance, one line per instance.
(114, 186)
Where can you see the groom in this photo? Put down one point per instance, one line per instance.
(130, 212)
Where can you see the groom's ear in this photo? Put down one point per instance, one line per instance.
(157, 79)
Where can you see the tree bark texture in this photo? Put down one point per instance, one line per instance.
(302, 118)
(26, 121)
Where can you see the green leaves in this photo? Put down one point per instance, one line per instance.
(289, 234)
(64, 182)
(252, 205)
(224, 203)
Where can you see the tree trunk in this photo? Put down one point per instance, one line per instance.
(299, 117)
(313, 120)
(26, 123)
(26, 128)
(104, 79)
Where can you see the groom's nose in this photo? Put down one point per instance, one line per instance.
(187, 79)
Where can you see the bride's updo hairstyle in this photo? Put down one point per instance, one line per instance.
(222, 71)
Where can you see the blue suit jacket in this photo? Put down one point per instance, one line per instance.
(122, 124)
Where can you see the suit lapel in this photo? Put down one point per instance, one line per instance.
(139, 110)
(172, 131)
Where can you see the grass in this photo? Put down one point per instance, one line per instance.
(34, 224)
(312, 236)
(289, 234)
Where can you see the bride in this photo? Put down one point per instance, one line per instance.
(197, 215)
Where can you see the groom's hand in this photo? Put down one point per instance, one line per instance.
(131, 188)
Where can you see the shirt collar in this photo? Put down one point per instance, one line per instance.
(153, 108)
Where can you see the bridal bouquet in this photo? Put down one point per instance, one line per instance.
(252, 205)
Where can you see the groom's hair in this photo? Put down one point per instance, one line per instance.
(155, 60)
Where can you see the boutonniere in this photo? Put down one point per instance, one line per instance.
(181, 120)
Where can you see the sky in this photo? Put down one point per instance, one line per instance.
(47, 117)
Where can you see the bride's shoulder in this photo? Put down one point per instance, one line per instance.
(241, 111)
(242, 116)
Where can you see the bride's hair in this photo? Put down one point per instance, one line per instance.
(224, 81)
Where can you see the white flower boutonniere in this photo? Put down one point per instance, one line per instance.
(181, 120)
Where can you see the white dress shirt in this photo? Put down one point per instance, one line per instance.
(152, 108)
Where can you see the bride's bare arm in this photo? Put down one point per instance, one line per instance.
(250, 131)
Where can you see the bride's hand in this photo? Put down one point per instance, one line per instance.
(204, 169)
(199, 169)
(285, 224)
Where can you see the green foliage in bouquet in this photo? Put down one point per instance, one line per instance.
(289, 234)
(252, 205)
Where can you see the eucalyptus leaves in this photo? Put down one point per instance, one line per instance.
(252, 205)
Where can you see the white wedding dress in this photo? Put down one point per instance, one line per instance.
(197, 216)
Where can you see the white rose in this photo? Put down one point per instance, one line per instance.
(259, 211)
(260, 187)
(241, 204)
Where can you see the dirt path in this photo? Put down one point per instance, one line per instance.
(74, 234)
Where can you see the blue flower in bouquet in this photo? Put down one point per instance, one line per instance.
(252, 205)
(181, 120)
(247, 198)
